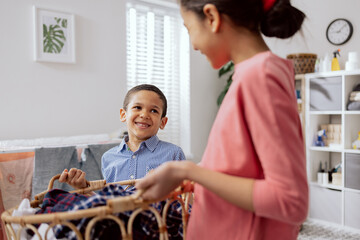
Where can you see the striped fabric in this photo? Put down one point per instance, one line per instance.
(120, 163)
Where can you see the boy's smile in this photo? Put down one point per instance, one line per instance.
(143, 116)
(142, 125)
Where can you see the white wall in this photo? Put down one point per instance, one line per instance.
(205, 87)
(55, 99)
(312, 39)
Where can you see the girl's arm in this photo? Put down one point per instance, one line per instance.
(168, 176)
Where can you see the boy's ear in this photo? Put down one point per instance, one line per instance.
(163, 122)
(212, 17)
(122, 115)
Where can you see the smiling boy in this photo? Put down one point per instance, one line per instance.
(144, 112)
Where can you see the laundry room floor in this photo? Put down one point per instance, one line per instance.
(313, 230)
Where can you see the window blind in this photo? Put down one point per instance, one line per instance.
(158, 54)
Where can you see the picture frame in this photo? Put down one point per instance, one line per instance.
(54, 36)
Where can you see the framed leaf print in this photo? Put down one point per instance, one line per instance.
(54, 36)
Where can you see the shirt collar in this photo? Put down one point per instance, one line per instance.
(123, 144)
(150, 143)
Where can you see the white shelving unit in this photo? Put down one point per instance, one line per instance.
(326, 102)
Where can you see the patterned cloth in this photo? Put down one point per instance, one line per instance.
(58, 200)
(2, 229)
(144, 227)
(16, 172)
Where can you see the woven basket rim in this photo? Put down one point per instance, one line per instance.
(130, 202)
(294, 55)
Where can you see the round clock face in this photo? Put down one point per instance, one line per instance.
(339, 31)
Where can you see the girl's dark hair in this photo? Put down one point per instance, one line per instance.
(282, 20)
(147, 87)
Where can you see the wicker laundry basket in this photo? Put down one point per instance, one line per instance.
(133, 202)
(303, 62)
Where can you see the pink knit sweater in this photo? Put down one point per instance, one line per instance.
(256, 134)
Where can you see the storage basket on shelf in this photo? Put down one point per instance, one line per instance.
(303, 62)
(95, 215)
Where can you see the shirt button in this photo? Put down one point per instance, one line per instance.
(133, 156)
(132, 176)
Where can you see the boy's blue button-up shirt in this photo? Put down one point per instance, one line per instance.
(120, 163)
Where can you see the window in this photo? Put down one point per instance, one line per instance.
(158, 53)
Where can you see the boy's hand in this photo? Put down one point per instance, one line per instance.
(75, 178)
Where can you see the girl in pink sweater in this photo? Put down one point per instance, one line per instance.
(251, 182)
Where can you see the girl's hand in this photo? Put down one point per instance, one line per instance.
(158, 183)
(75, 178)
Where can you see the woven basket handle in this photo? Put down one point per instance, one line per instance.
(186, 186)
(52, 180)
(56, 177)
(97, 184)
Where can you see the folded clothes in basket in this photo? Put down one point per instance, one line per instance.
(144, 227)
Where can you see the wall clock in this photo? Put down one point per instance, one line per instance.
(339, 31)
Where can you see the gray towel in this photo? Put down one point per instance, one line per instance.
(353, 106)
(48, 163)
(92, 165)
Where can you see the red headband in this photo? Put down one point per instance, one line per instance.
(268, 4)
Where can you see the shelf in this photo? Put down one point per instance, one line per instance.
(299, 77)
(351, 190)
(326, 104)
(325, 149)
(352, 151)
(325, 112)
(334, 73)
(329, 186)
(352, 112)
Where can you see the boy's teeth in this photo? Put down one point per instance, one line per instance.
(143, 125)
